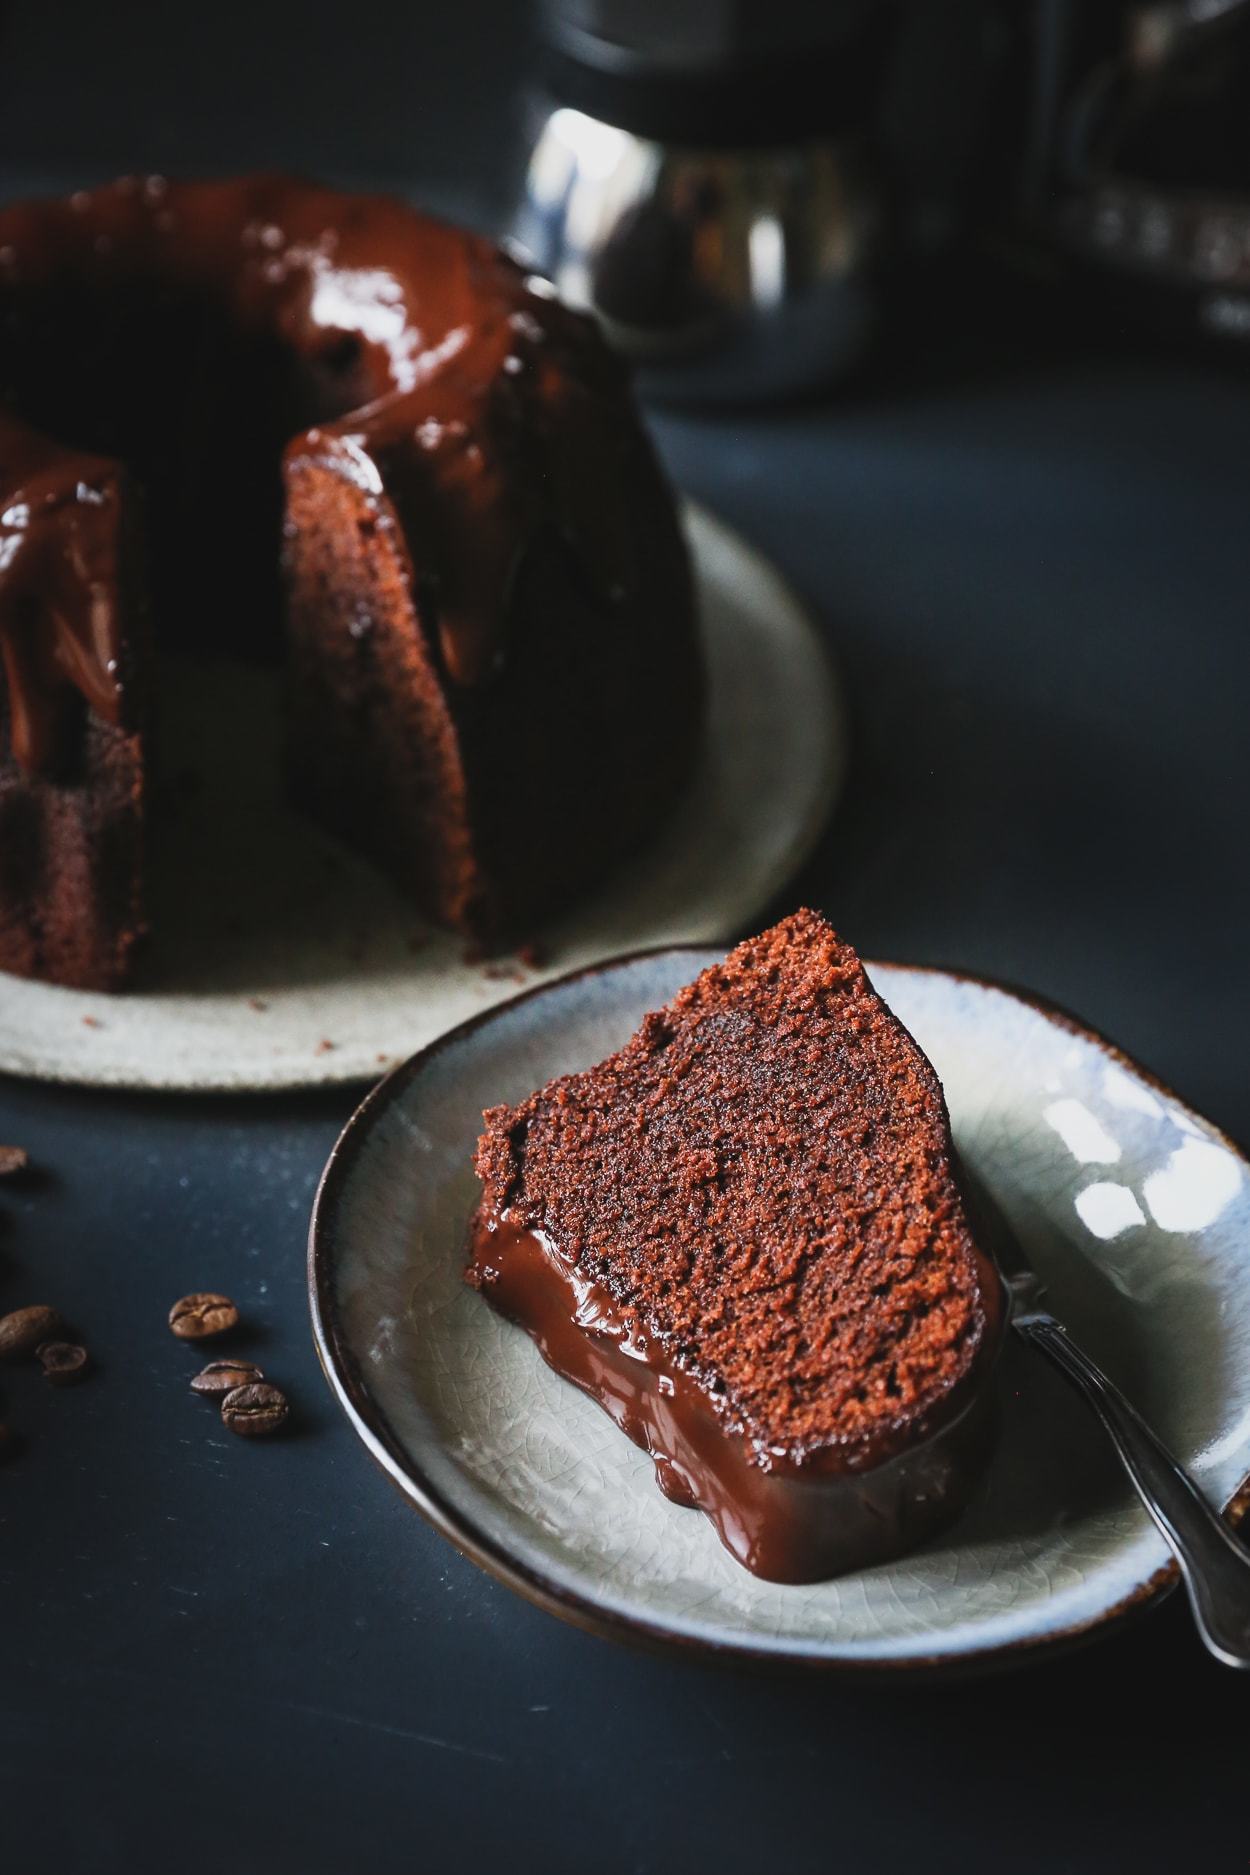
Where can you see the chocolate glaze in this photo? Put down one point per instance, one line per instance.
(422, 365)
(785, 1521)
(59, 552)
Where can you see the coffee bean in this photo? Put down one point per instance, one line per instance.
(63, 1362)
(13, 1159)
(221, 1377)
(255, 1411)
(23, 1330)
(197, 1317)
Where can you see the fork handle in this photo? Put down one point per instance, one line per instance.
(1214, 1565)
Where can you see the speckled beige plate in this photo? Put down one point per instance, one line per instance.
(279, 960)
(1135, 1210)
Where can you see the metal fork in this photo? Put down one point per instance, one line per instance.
(1214, 1565)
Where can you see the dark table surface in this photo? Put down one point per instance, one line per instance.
(217, 1655)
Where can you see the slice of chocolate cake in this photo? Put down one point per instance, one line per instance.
(745, 1236)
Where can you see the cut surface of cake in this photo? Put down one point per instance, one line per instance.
(745, 1235)
(212, 393)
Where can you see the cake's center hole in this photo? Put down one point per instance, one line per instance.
(197, 397)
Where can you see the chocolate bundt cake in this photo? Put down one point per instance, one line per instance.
(744, 1235)
(489, 625)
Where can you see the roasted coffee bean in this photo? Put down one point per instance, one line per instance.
(255, 1411)
(63, 1362)
(13, 1159)
(197, 1317)
(221, 1377)
(23, 1330)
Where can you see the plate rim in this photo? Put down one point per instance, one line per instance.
(371, 1427)
(699, 522)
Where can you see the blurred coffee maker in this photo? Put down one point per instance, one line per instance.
(737, 187)
(720, 180)
(1136, 162)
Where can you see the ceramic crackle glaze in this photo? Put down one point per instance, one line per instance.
(1135, 1211)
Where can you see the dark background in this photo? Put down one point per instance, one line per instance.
(1028, 550)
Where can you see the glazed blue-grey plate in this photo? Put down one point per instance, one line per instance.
(1135, 1210)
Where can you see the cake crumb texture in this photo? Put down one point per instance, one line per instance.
(763, 1179)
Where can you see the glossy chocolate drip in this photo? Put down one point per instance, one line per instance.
(427, 369)
(59, 628)
(785, 1522)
